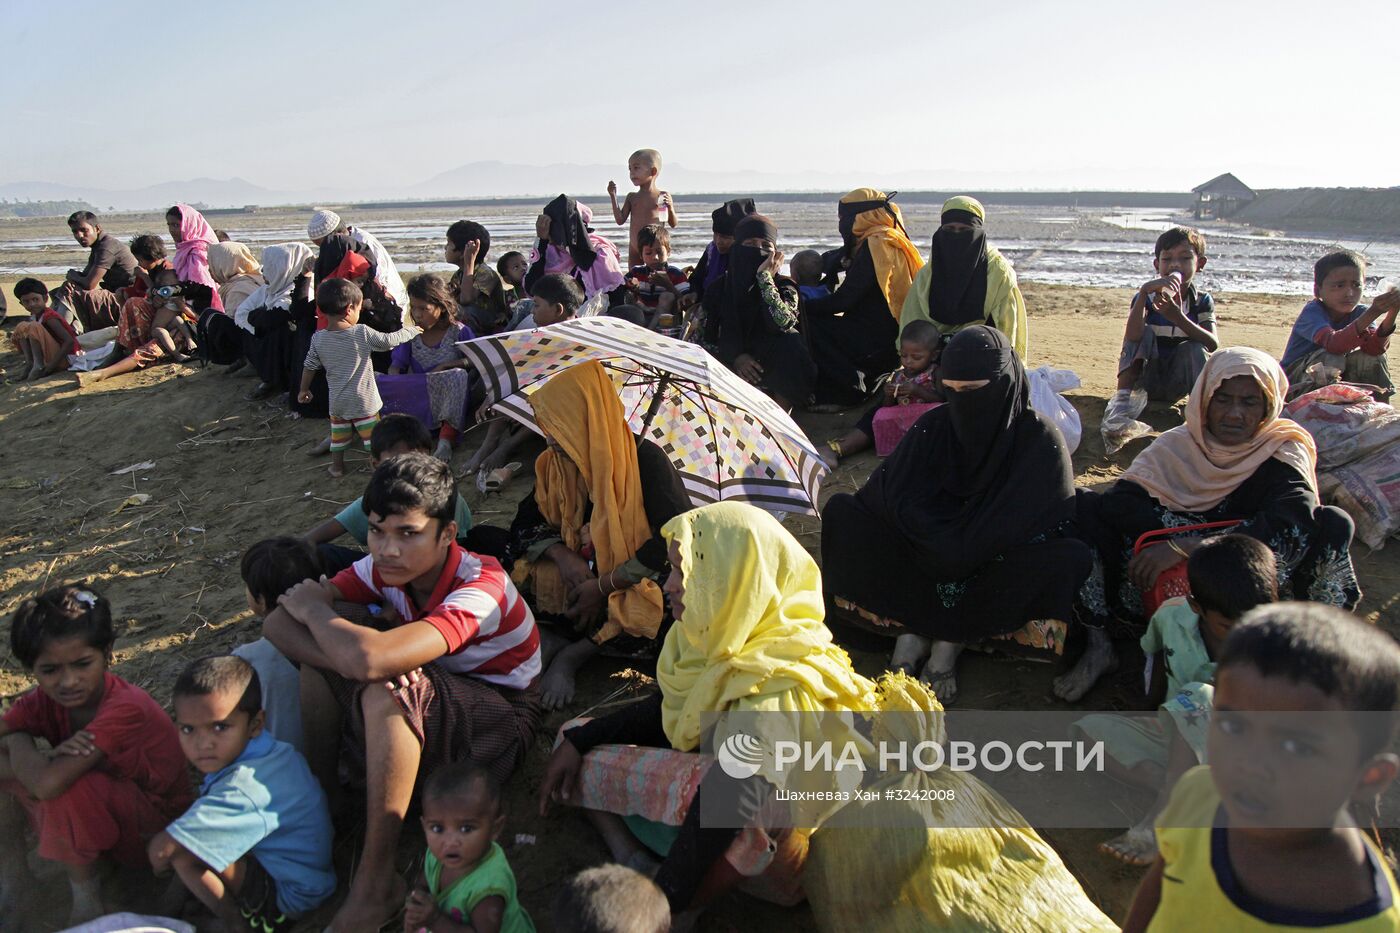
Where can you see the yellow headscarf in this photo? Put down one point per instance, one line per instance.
(227, 260)
(580, 410)
(750, 636)
(897, 259)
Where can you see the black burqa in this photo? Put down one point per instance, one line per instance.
(972, 500)
(333, 253)
(568, 231)
(957, 288)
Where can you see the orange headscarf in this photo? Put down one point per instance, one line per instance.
(1188, 470)
(897, 259)
(579, 409)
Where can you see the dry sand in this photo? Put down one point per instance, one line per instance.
(228, 472)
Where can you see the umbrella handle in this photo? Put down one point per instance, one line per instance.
(662, 384)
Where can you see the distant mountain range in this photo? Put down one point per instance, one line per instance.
(491, 179)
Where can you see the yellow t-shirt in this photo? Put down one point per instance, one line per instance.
(1199, 891)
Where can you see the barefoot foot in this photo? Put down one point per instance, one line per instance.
(1098, 659)
(336, 470)
(444, 451)
(1137, 846)
(557, 684)
(324, 447)
(371, 903)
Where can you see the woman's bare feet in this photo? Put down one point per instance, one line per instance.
(89, 378)
(557, 684)
(909, 651)
(1137, 846)
(444, 450)
(1098, 659)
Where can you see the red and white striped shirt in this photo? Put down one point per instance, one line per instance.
(489, 630)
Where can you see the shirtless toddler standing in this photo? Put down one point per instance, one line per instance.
(647, 205)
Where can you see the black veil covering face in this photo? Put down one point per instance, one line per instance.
(727, 216)
(957, 292)
(745, 261)
(568, 231)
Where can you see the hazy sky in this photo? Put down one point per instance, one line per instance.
(293, 94)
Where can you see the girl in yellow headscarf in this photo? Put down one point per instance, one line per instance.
(587, 542)
(853, 331)
(749, 639)
(966, 280)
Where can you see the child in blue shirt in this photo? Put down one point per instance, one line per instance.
(1339, 332)
(806, 269)
(255, 847)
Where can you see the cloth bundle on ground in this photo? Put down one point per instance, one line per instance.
(1357, 456)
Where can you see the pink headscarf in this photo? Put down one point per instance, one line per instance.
(605, 273)
(192, 252)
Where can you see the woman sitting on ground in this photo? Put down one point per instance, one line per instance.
(1235, 459)
(586, 542)
(270, 317)
(236, 271)
(193, 238)
(854, 332)
(966, 281)
(964, 531)
(567, 244)
(751, 315)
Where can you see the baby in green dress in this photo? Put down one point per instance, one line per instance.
(466, 882)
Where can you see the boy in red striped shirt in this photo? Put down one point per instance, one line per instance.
(448, 635)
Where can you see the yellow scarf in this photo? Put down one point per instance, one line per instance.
(897, 259)
(579, 409)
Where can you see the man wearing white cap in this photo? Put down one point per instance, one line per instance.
(326, 222)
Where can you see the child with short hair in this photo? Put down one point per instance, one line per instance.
(511, 267)
(654, 283)
(806, 269)
(461, 660)
(611, 899)
(255, 846)
(1335, 331)
(915, 384)
(115, 773)
(557, 297)
(1168, 337)
(468, 243)
(343, 350)
(466, 882)
(647, 205)
(1263, 835)
(394, 435)
(1228, 575)
(46, 339)
(149, 252)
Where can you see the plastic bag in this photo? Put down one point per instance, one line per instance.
(93, 359)
(1120, 424)
(1347, 423)
(1046, 386)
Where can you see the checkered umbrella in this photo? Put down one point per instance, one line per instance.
(726, 438)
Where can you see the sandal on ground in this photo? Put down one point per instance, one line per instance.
(494, 480)
(940, 682)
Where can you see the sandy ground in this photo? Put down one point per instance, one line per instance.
(228, 472)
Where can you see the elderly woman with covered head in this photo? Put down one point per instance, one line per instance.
(1235, 459)
(967, 281)
(586, 542)
(964, 531)
(274, 317)
(751, 317)
(854, 332)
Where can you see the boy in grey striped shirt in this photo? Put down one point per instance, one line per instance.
(343, 350)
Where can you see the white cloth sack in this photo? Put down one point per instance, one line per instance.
(1046, 386)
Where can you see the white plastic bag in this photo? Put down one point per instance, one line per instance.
(1046, 386)
(1120, 424)
(93, 359)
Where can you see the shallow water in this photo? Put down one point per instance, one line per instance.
(1105, 248)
